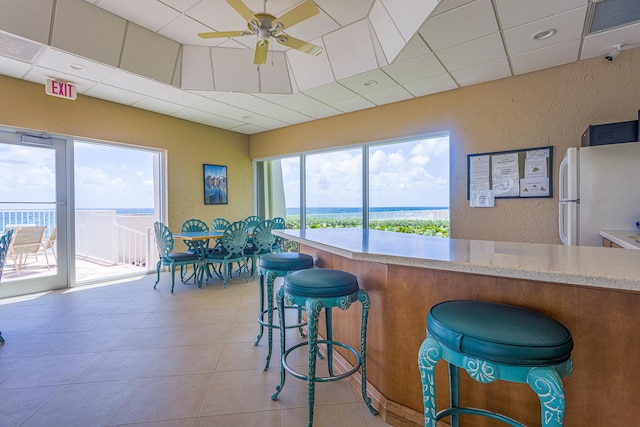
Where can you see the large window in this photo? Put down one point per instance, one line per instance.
(395, 185)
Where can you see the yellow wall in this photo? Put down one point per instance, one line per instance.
(188, 145)
(549, 107)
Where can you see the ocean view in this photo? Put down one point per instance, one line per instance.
(413, 212)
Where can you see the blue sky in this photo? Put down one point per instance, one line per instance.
(414, 173)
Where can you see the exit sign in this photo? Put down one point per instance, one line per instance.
(60, 89)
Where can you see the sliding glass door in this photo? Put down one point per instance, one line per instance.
(33, 203)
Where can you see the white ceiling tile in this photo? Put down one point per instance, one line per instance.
(40, 75)
(100, 36)
(11, 68)
(241, 100)
(60, 60)
(482, 73)
(249, 129)
(478, 51)
(181, 5)
(114, 94)
(513, 13)
(568, 25)
(150, 14)
(386, 31)
(218, 16)
(346, 61)
(223, 122)
(460, 25)
(132, 82)
(310, 71)
(193, 115)
(445, 6)
(330, 93)
(279, 113)
(547, 57)
(345, 12)
(185, 29)
(409, 15)
(298, 101)
(180, 97)
(415, 69)
(157, 105)
(19, 48)
(414, 48)
(222, 109)
(320, 111)
(357, 83)
(268, 123)
(388, 95)
(234, 70)
(355, 103)
(312, 28)
(431, 85)
(600, 44)
(197, 69)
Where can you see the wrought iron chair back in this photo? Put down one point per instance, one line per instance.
(278, 224)
(252, 221)
(220, 224)
(195, 225)
(168, 258)
(233, 244)
(261, 243)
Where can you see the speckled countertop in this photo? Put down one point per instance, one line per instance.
(579, 265)
(628, 239)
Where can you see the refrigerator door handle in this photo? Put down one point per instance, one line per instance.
(561, 220)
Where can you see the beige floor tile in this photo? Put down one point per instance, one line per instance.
(120, 365)
(50, 370)
(261, 419)
(17, 405)
(186, 360)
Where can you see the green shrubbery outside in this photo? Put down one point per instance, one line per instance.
(435, 228)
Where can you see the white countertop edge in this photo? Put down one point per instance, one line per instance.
(571, 278)
(621, 237)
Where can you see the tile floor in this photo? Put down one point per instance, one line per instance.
(125, 354)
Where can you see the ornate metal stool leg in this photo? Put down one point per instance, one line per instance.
(547, 384)
(363, 297)
(454, 399)
(314, 307)
(261, 285)
(430, 353)
(280, 305)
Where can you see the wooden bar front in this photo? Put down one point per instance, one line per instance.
(603, 390)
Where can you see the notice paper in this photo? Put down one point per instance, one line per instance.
(534, 187)
(505, 175)
(479, 173)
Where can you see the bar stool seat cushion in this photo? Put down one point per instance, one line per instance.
(286, 261)
(500, 333)
(321, 283)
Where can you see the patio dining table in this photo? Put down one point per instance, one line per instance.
(200, 240)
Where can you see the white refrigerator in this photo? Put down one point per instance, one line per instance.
(599, 189)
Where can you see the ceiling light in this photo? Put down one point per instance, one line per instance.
(370, 83)
(543, 35)
(78, 67)
(247, 117)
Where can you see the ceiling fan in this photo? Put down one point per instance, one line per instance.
(267, 26)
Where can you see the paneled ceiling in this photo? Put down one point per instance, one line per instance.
(146, 53)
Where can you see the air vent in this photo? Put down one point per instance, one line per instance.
(610, 14)
(18, 48)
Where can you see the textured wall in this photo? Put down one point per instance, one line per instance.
(188, 145)
(549, 107)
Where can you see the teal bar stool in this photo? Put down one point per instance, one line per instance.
(495, 342)
(272, 266)
(315, 289)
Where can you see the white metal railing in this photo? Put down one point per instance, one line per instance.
(101, 236)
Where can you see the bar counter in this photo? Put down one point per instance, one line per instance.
(595, 292)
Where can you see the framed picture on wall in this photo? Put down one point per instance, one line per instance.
(215, 184)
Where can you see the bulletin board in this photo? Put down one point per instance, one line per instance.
(510, 174)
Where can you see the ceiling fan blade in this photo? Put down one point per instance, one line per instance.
(298, 44)
(220, 34)
(262, 48)
(242, 9)
(297, 14)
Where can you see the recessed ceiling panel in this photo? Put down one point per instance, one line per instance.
(27, 18)
(513, 13)
(114, 94)
(133, 82)
(158, 106)
(345, 60)
(312, 28)
(414, 48)
(88, 31)
(409, 15)
(185, 30)
(56, 59)
(388, 95)
(547, 57)
(482, 73)
(180, 97)
(460, 25)
(431, 85)
(149, 54)
(415, 69)
(386, 31)
(15, 69)
(218, 15)
(355, 103)
(150, 14)
(330, 93)
(197, 71)
(345, 12)
(568, 26)
(234, 70)
(478, 51)
(310, 71)
(274, 75)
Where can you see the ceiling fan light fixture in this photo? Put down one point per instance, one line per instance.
(544, 34)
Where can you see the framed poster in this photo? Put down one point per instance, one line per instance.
(215, 184)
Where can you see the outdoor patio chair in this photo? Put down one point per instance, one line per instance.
(167, 258)
(49, 243)
(234, 241)
(26, 241)
(5, 241)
